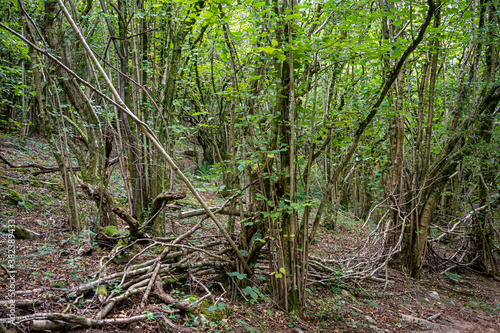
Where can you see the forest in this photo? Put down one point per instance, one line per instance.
(249, 166)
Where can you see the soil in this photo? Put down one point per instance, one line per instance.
(459, 301)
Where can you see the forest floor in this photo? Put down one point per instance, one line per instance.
(462, 301)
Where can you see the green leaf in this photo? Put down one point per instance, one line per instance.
(239, 276)
(280, 56)
(248, 290)
(267, 49)
(258, 5)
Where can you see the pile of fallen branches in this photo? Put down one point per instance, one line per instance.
(183, 258)
(452, 248)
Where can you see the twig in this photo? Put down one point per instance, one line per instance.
(163, 255)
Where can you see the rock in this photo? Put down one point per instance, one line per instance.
(415, 320)
(375, 329)
(85, 249)
(110, 230)
(40, 223)
(214, 312)
(434, 295)
(200, 320)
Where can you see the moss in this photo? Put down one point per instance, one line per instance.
(159, 250)
(21, 232)
(6, 183)
(21, 170)
(110, 230)
(189, 202)
(102, 290)
(58, 284)
(55, 181)
(213, 316)
(121, 243)
(169, 281)
(122, 257)
(14, 197)
(190, 298)
(35, 183)
(56, 184)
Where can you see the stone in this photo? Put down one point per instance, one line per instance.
(434, 295)
(110, 230)
(200, 320)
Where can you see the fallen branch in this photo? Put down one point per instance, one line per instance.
(162, 256)
(129, 219)
(22, 303)
(164, 198)
(60, 320)
(167, 299)
(43, 168)
(176, 328)
(25, 166)
(216, 210)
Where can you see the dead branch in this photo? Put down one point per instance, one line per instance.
(216, 210)
(176, 328)
(167, 299)
(165, 198)
(60, 320)
(25, 166)
(22, 303)
(129, 219)
(43, 168)
(162, 256)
